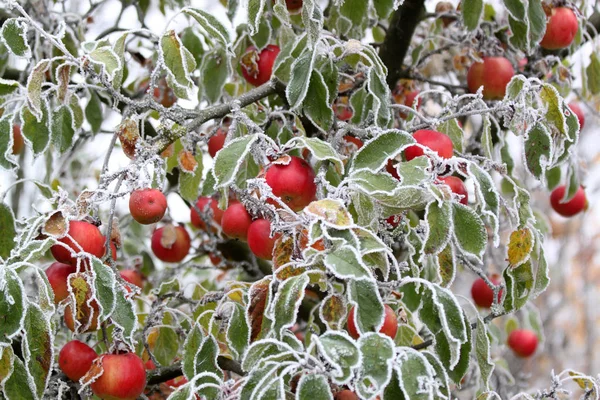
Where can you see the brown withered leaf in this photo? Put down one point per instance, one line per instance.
(520, 246)
(84, 202)
(333, 311)
(187, 161)
(249, 62)
(330, 211)
(95, 371)
(115, 233)
(283, 251)
(169, 236)
(259, 296)
(129, 134)
(168, 152)
(56, 226)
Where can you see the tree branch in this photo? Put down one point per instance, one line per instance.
(163, 374)
(398, 37)
(221, 110)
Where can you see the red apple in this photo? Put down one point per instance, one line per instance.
(574, 206)
(18, 142)
(561, 29)
(57, 276)
(482, 294)
(216, 142)
(205, 204)
(132, 276)
(171, 243)
(258, 67)
(86, 237)
(123, 377)
(294, 183)
(456, 186)
(576, 109)
(494, 74)
(355, 141)
(236, 221)
(75, 359)
(343, 112)
(409, 100)
(523, 342)
(292, 5)
(346, 395)
(147, 206)
(259, 239)
(389, 328)
(436, 141)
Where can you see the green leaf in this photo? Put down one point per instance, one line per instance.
(355, 10)
(119, 50)
(104, 287)
(383, 8)
(313, 387)
(439, 225)
(214, 72)
(8, 86)
(538, 150)
(125, 318)
(62, 128)
(377, 358)
(14, 35)
(256, 9)
(527, 23)
(166, 346)
(376, 152)
(482, 351)
(287, 302)
(206, 361)
(94, 113)
(300, 77)
(388, 192)
(189, 182)
(211, 25)
(179, 64)
(368, 305)
(38, 347)
(440, 311)
(593, 74)
(192, 42)
(454, 131)
(7, 227)
(107, 59)
(18, 386)
(341, 353)
(12, 306)
(36, 79)
(238, 332)
(167, 287)
(321, 150)
(36, 131)
(412, 369)
(261, 351)
(471, 11)
(228, 161)
(519, 285)
(7, 159)
(555, 117)
(469, 230)
(316, 107)
(345, 263)
(542, 278)
(191, 346)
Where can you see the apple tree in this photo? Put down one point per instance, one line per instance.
(292, 199)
